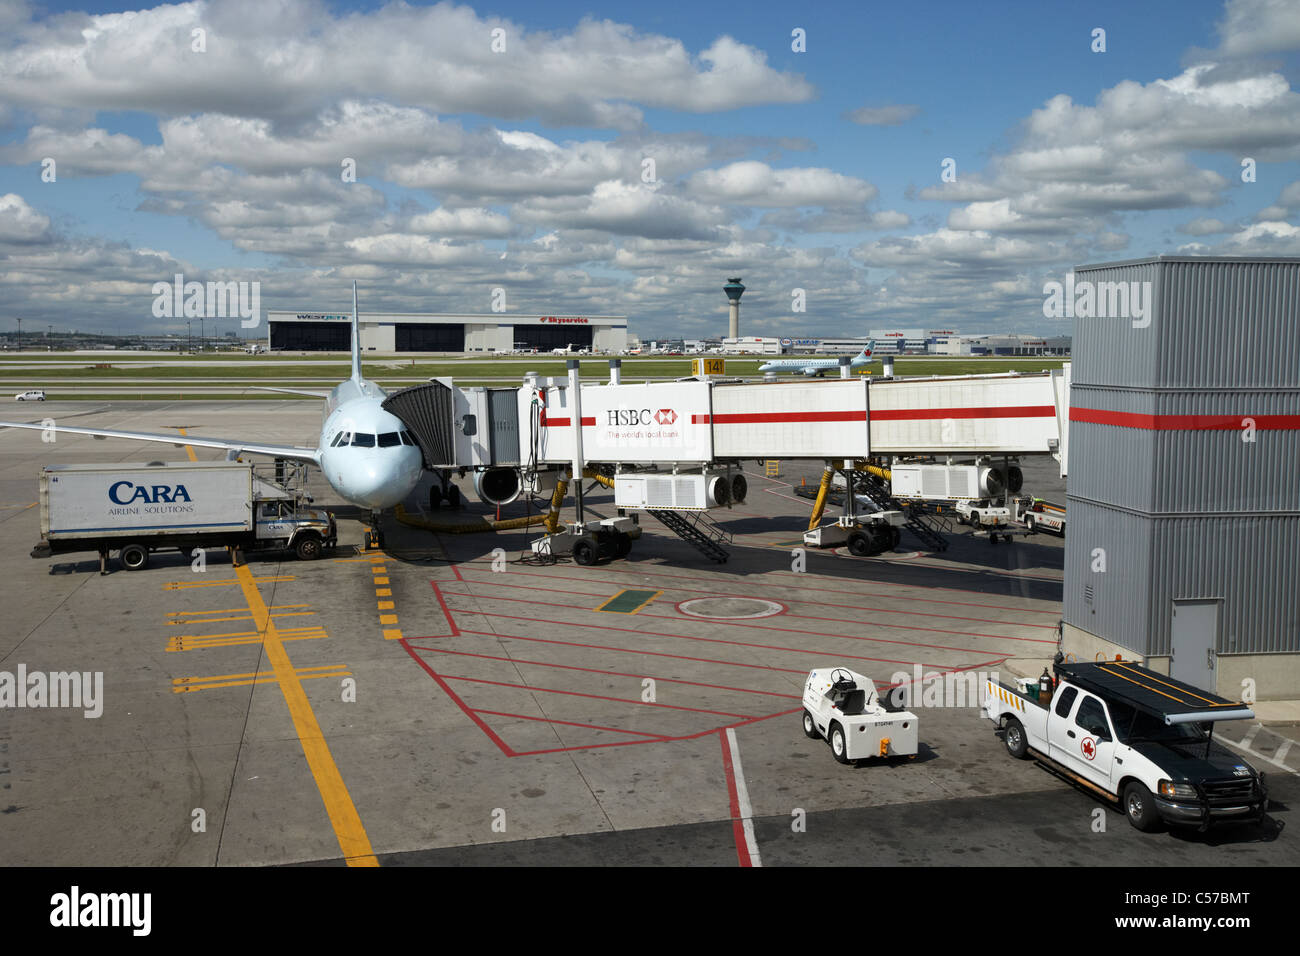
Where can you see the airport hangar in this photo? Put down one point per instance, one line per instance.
(305, 331)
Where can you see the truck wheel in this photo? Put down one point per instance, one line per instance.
(135, 557)
(1029, 524)
(308, 548)
(1017, 742)
(584, 553)
(839, 746)
(859, 544)
(1140, 807)
(809, 726)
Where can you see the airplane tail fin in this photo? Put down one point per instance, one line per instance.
(871, 347)
(356, 337)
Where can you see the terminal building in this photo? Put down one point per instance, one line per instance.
(306, 331)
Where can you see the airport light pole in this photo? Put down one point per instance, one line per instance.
(20, 335)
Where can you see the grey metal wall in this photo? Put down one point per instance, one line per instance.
(1215, 323)
(1187, 509)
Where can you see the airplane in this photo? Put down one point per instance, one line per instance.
(819, 366)
(366, 454)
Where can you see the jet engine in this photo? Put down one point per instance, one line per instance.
(497, 486)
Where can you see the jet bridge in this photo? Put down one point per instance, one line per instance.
(694, 423)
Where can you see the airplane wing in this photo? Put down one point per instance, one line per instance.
(292, 452)
(290, 391)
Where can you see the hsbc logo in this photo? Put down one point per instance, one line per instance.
(640, 416)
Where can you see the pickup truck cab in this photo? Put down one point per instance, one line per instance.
(843, 707)
(1136, 737)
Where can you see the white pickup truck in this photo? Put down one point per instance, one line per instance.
(1133, 736)
(843, 707)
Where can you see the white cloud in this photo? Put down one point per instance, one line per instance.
(758, 184)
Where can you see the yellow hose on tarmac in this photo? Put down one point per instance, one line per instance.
(874, 470)
(597, 476)
(820, 505)
(553, 516)
(467, 527)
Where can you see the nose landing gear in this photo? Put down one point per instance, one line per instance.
(374, 535)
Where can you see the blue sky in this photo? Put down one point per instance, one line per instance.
(520, 169)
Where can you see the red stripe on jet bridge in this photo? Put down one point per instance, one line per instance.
(564, 422)
(767, 418)
(986, 411)
(1098, 416)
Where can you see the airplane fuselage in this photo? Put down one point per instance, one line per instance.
(366, 454)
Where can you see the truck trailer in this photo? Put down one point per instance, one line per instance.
(137, 509)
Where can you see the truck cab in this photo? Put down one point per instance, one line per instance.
(281, 523)
(1139, 738)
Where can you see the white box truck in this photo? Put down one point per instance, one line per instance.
(137, 509)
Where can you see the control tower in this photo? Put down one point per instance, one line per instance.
(734, 291)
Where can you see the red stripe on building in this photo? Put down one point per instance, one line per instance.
(990, 411)
(1099, 416)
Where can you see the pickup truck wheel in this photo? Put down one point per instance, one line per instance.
(839, 745)
(1017, 742)
(135, 557)
(308, 548)
(1140, 807)
(809, 726)
(859, 544)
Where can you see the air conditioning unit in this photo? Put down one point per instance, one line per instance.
(672, 492)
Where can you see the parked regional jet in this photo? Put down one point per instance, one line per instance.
(818, 366)
(365, 453)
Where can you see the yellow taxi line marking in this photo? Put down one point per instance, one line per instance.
(386, 605)
(381, 580)
(348, 829)
(392, 634)
(388, 619)
(240, 617)
(181, 585)
(234, 610)
(260, 679)
(20, 507)
(300, 671)
(189, 449)
(190, 642)
(383, 592)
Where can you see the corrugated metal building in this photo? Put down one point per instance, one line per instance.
(1184, 493)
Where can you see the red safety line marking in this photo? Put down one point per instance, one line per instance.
(456, 699)
(805, 617)
(795, 630)
(446, 611)
(575, 693)
(988, 411)
(737, 825)
(596, 670)
(636, 650)
(716, 640)
(571, 723)
(1099, 416)
(920, 587)
(636, 743)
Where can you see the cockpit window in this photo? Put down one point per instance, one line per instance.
(389, 440)
(407, 439)
(363, 441)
